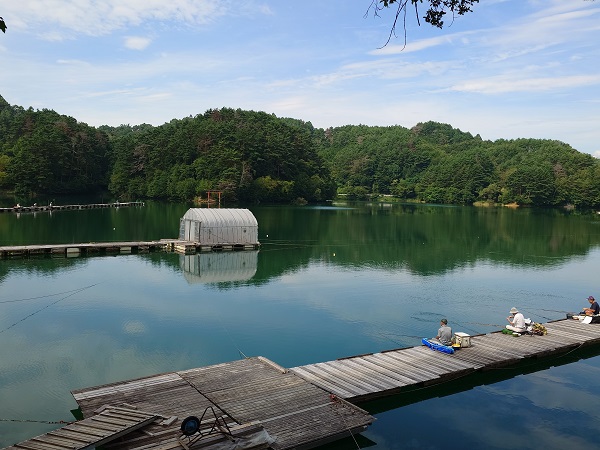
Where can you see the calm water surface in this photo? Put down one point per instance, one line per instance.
(328, 282)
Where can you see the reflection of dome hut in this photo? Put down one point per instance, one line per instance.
(219, 267)
(220, 226)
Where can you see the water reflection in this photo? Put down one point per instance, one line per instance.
(327, 283)
(219, 267)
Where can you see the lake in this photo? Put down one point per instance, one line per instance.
(328, 282)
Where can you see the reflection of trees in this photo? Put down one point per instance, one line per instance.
(41, 266)
(425, 239)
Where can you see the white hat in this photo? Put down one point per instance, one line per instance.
(514, 310)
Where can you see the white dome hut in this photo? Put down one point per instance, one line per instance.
(220, 226)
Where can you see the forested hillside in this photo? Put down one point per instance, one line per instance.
(258, 157)
(436, 163)
(42, 152)
(249, 156)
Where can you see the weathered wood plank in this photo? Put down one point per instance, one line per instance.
(580, 332)
(422, 366)
(350, 376)
(84, 431)
(527, 344)
(368, 362)
(406, 371)
(502, 353)
(327, 372)
(324, 383)
(407, 368)
(448, 366)
(376, 372)
(362, 374)
(41, 443)
(81, 437)
(84, 394)
(59, 441)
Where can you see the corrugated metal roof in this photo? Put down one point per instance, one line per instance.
(223, 217)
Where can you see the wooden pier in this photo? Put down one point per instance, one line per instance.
(51, 207)
(115, 248)
(256, 401)
(373, 375)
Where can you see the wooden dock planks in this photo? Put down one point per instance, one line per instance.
(253, 389)
(245, 391)
(49, 208)
(111, 248)
(369, 376)
(110, 424)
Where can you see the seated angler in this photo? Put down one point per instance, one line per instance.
(594, 308)
(516, 321)
(444, 334)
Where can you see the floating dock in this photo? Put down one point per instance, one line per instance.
(373, 375)
(48, 208)
(256, 402)
(115, 248)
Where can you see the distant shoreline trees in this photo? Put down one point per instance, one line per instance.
(255, 157)
(435, 163)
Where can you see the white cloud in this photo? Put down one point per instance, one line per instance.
(422, 44)
(509, 69)
(515, 83)
(137, 42)
(99, 17)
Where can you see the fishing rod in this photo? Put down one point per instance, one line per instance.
(51, 422)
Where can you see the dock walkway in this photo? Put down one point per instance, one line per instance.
(306, 406)
(49, 208)
(109, 424)
(373, 375)
(292, 410)
(112, 248)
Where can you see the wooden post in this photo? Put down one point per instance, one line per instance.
(208, 197)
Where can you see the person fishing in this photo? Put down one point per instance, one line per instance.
(444, 334)
(594, 308)
(516, 321)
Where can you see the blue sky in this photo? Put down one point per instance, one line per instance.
(509, 69)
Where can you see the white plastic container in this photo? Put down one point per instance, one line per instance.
(463, 339)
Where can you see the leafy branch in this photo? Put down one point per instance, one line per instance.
(434, 14)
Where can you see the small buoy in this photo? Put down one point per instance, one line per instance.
(114, 228)
(333, 253)
(267, 235)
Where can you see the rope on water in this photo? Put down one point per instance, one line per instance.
(76, 291)
(40, 296)
(338, 402)
(51, 422)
